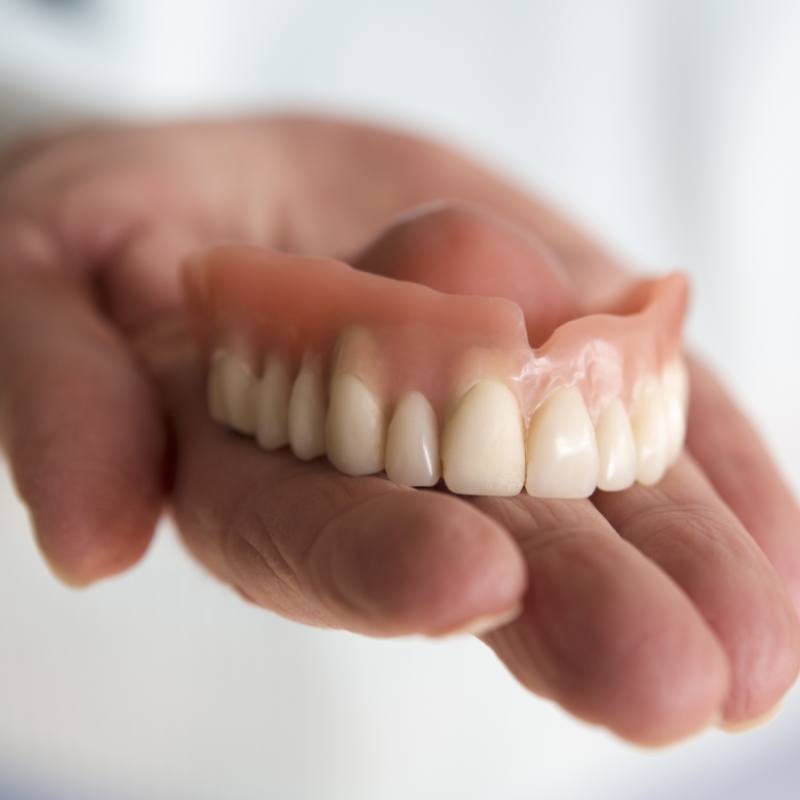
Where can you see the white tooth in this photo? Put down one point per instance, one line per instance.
(616, 449)
(412, 442)
(355, 429)
(239, 387)
(274, 391)
(675, 420)
(649, 424)
(307, 412)
(675, 382)
(676, 377)
(483, 448)
(216, 399)
(562, 449)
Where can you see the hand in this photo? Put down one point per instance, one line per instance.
(648, 611)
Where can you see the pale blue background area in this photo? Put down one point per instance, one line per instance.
(671, 127)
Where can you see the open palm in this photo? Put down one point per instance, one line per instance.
(652, 611)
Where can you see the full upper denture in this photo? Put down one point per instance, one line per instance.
(377, 372)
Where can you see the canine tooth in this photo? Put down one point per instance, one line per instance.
(274, 391)
(355, 428)
(616, 449)
(216, 399)
(562, 449)
(412, 442)
(239, 393)
(649, 424)
(307, 412)
(483, 449)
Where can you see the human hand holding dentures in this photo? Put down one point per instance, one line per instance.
(653, 608)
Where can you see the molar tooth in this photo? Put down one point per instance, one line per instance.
(355, 428)
(483, 449)
(274, 391)
(616, 449)
(412, 442)
(562, 449)
(216, 399)
(239, 386)
(649, 424)
(306, 420)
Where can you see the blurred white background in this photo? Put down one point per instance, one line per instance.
(671, 128)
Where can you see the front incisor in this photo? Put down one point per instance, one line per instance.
(483, 448)
(562, 449)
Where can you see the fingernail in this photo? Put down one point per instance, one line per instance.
(481, 625)
(742, 726)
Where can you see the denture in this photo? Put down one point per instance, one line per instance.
(381, 374)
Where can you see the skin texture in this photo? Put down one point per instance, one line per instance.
(651, 611)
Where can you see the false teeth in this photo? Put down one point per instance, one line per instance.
(412, 442)
(306, 419)
(616, 449)
(649, 424)
(373, 332)
(562, 450)
(675, 383)
(238, 388)
(274, 392)
(483, 451)
(355, 428)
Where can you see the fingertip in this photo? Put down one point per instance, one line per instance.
(418, 562)
(664, 690)
(84, 545)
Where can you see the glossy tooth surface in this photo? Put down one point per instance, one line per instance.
(483, 448)
(239, 390)
(307, 412)
(675, 383)
(649, 424)
(412, 442)
(274, 391)
(216, 399)
(355, 430)
(562, 449)
(616, 449)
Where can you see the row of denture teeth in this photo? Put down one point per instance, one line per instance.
(484, 448)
